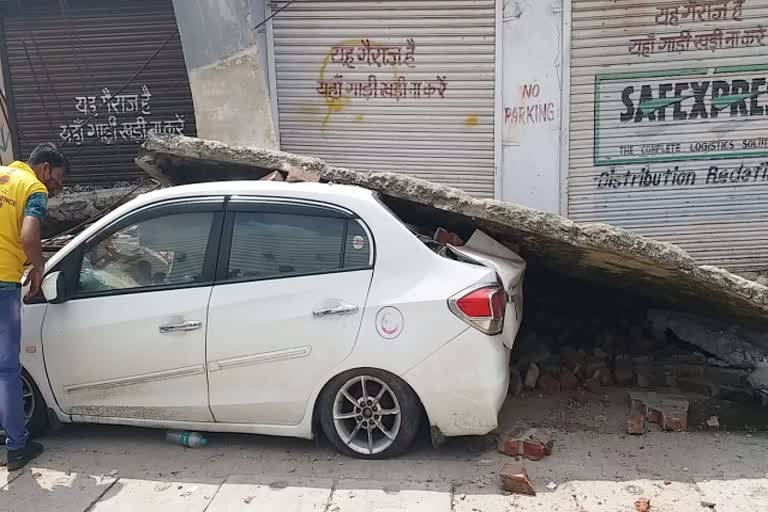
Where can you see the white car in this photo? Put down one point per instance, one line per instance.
(272, 308)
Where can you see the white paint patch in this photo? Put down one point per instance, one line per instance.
(389, 323)
(358, 242)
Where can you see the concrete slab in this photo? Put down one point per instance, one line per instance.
(52, 490)
(272, 495)
(606, 496)
(157, 495)
(381, 496)
(743, 495)
(559, 500)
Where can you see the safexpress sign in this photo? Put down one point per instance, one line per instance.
(681, 115)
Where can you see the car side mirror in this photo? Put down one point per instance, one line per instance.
(53, 288)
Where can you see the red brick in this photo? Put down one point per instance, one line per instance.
(568, 381)
(447, 237)
(643, 505)
(548, 384)
(636, 421)
(514, 478)
(524, 446)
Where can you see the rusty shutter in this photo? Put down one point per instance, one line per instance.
(669, 124)
(394, 85)
(62, 63)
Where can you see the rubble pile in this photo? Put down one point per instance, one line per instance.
(594, 340)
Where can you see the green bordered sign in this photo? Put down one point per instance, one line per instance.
(681, 115)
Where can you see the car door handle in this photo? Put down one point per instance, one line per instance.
(346, 309)
(189, 325)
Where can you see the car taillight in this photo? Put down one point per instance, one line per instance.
(481, 307)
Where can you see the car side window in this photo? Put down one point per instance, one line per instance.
(270, 245)
(161, 251)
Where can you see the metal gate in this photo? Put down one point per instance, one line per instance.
(669, 123)
(392, 85)
(67, 63)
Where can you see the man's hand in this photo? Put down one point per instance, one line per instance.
(34, 280)
(30, 242)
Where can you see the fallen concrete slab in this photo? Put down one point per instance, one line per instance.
(597, 253)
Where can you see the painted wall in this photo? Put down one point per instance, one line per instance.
(228, 69)
(532, 81)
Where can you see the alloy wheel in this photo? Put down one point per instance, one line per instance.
(367, 415)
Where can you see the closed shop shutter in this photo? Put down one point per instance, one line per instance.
(65, 64)
(669, 124)
(391, 85)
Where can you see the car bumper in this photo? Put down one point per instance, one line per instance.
(463, 385)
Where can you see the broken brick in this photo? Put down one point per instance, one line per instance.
(643, 505)
(548, 384)
(525, 445)
(623, 372)
(568, 381)
(532, 376)
(636, 421)
(514, 479)
(669, 411)
(447, 237)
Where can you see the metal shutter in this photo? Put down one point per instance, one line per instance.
(426, 109)
(691, 165)
(55, 58)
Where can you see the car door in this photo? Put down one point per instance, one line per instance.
(286, 308)
(129, 340)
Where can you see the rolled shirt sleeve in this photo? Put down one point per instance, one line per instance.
(37, 205)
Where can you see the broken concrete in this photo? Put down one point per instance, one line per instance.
(729, 343)
(77, 205)
(598, 253)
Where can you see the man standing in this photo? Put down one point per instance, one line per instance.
(24, 191)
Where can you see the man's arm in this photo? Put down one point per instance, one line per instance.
(34, 213)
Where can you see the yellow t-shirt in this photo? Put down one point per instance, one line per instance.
(17, 182)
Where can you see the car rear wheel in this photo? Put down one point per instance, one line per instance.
(369, 414)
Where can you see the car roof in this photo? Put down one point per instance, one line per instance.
(255, 187)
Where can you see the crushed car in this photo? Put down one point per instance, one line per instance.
(274, 308)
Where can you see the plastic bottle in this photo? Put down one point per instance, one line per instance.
(186, 438)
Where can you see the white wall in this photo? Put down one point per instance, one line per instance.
(532, 80)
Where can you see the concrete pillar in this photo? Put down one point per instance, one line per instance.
(228, 70)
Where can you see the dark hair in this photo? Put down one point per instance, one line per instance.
(48, 152)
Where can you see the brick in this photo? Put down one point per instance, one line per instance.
(694, 386)
(669, 411)
(568, 381)
(623, 372)
(593, 383)
(525, 445)
(532, 376)
(447, 237)
(643, 505)
(548, 384)
(514, 479)
(636, 421)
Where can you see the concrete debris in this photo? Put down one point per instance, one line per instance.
(514, 479)
(713, 422)
(275, 176)
(551, 486)
(727, 342)
(524, 444)
(758, 379)
(598, 254)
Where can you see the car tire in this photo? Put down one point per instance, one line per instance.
(369, 414)
(37, 422)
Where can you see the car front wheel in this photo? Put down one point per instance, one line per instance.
(369, 414)
(35, 412)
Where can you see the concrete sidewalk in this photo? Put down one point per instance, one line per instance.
(119, 469)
